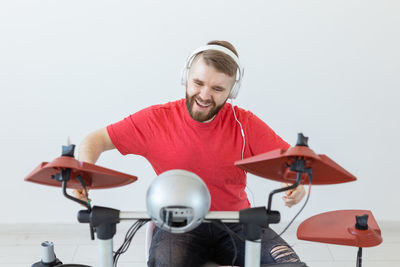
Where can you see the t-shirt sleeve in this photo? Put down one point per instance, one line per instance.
(132, 134)
(262, 138)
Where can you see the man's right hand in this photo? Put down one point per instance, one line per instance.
(80, 194)
(89, 151)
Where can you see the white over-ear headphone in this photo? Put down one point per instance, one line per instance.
(239, 74)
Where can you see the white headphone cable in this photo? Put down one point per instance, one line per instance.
(241, 131)
(244, 143)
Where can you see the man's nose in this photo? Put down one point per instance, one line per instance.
(205, 93)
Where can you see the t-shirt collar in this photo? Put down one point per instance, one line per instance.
(195, 123)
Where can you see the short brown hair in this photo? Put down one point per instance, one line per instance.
(219, 60)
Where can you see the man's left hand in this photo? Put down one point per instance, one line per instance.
(293, 196)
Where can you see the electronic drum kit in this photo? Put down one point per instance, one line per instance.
(297, 165)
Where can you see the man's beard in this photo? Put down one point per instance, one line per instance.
(202, 116)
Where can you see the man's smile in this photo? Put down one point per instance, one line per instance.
(202, 105)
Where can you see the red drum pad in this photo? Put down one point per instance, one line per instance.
(338, 227)
(274, 165)
(94, 177)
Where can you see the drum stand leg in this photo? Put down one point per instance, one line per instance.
(105, 252)
(359, 256)
(104, 220)
(252, 253)
(254, 220)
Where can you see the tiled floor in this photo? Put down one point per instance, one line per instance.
(20, 247)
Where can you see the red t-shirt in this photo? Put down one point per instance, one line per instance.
(169, 138)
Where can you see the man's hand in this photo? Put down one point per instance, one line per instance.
(80, 194)
(89, 151)
(293, 196)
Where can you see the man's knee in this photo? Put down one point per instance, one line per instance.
(282, 254)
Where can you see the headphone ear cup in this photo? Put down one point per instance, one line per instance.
(184, 76)
(234, 91)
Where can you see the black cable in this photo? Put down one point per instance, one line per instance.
(128, 239)
(234, 244)
(309, 172)
(126, 242)
(231, 234)
(301, 209)
(284, 230)
(220, 225)
(359, 257)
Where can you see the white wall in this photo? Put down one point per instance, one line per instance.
(327, 68)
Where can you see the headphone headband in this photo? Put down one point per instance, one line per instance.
(239, 73)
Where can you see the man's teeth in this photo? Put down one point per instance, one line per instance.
(202, 105)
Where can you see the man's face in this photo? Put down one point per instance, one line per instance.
(207, 90)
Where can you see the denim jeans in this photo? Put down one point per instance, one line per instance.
(209, 244)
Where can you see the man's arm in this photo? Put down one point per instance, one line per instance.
(90, 150)
(93, 145)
